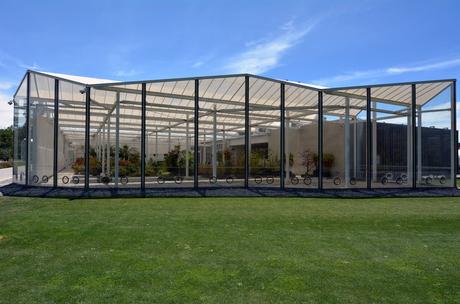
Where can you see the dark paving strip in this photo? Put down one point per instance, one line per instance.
(67, 192)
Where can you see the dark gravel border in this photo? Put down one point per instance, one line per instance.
(67, 192)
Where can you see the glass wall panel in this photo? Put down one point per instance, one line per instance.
(41, 130)
(344, 139)
(301, 137)
(221, 132)
(20, 134)
(434, 135)
(170, 132)
(107, 140)
(71, 135)
(264, 138)
(391, 136)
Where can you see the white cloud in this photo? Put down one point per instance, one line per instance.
(263, 55)
(424, 67)
(6, 111)
(4, 85)
(33, 66)
(385, 72)
(127, 73)
(197, 64)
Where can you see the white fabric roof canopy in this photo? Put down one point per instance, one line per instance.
(170, 103)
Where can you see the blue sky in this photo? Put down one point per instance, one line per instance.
(331, 43)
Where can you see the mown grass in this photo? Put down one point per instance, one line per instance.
(230, 250)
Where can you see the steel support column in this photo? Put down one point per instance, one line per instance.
(320, 140)
(414, 135)
(347, 142)
(282, 134)
(369, 169)
(87, 131)
(247, 131)
(56, 132)
(419, 144)
(107, 159)
(143, 105)
(187, 146)
(214, 143)
(27, 128)
(196, 139)
(454, 130)
(117, 140)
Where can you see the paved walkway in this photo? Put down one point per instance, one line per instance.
(6, 176)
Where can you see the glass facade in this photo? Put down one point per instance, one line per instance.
(71, 135)
(344, 139)
(41, 130)
(20, 133)
(233, 131)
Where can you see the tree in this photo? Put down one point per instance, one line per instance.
(6, 143)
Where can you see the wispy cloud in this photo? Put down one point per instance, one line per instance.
(197, 64)
(6, 60)
(263, 55)
(425, 67)
(127, 73)
(33, 66)
(5, 85)
(385, 72)
(6, 111)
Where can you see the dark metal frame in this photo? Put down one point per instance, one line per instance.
(454, 123)
(283, 157)
(87, 134)
(414, 134)
(56, 133)
(369, 138)
(320, 140)
(27, 128)
(196, 139)
(143, 118)
(282, 136)
(247, 131)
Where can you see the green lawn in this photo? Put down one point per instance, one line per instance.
(230, 250)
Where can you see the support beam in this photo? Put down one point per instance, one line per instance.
(454, 135)
(419, 144)
(414, 137)
(156, 147)
(355, 148)
(27, 129)
(195, 144)
(374, 140)
(187, 148)
(104, 151)
(169, 136)
(143, 118)
(320, 140)
(87, 134)
(214, 144)
(369, 133)
(107, 160)
(409, 146)
(247, 130)
(224, 146)
(282, 134)
(117, 140)
(287, 150)
(56, 133)
(347, 142)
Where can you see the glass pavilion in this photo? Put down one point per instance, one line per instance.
(232, 131)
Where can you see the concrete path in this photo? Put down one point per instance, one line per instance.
(6, 176)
